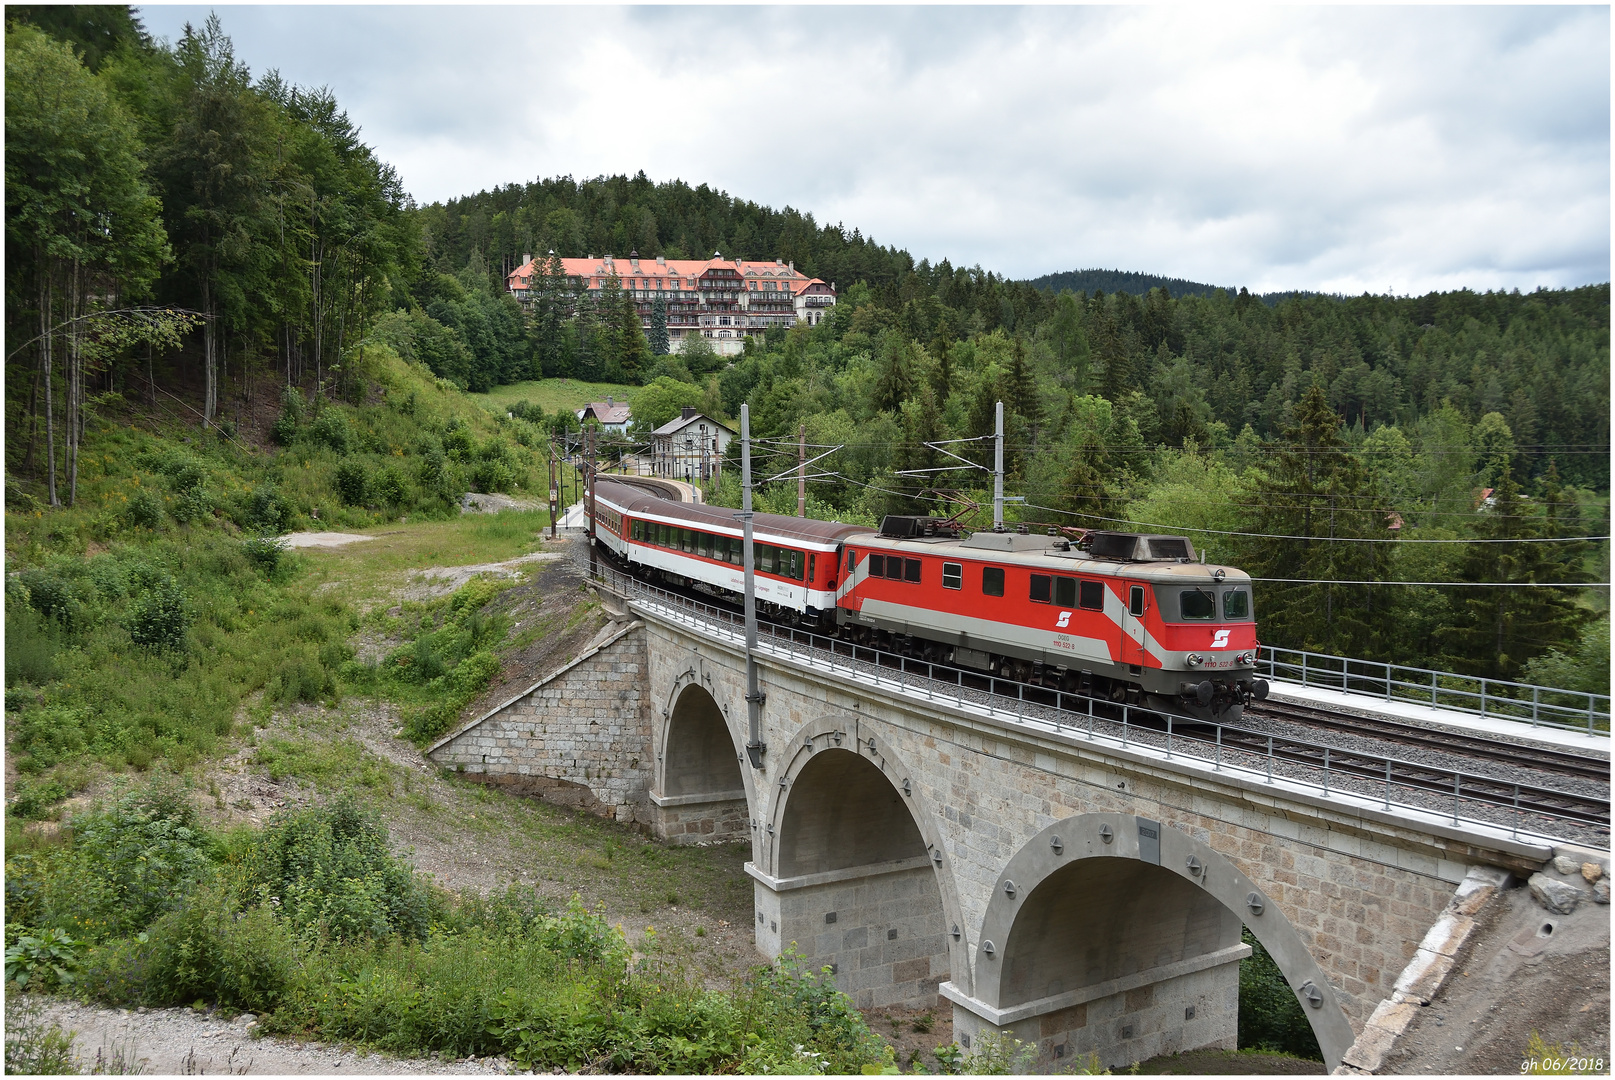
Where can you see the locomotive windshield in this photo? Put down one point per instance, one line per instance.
(1197, 604)
(1236, 604)
(1200, 603)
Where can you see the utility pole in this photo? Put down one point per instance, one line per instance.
(555, 496)
(754, 699)
(801, 470)
(998, 471)
(588, 480)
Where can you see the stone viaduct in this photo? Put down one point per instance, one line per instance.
(1079, 893)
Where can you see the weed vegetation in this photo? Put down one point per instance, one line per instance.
(142, 620)
(315, 926)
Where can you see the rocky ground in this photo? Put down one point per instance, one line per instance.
(1526, 970)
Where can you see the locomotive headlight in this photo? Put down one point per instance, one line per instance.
(1194, 659)
(1243, 658)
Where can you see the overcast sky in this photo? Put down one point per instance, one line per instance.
(1386, 149)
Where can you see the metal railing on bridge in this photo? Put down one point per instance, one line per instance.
(1497, 699)
(1374, 779)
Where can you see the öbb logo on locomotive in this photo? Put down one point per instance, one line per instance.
(1130, 611)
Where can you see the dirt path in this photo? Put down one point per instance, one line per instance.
(178, 1042)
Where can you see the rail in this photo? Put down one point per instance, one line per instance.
(1541, 706)
(1379, 779)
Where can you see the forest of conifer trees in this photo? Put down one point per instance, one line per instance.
(184, 230)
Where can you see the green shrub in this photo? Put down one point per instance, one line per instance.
(457, 442)
(330, 872)
(59, 597)
(45, 961)
(331, 429)
(147, 853)
(265, 511)
(1270, 1017)
(31, 647)
(159, 620)
(191, 505)
(184, 472)
(211, 949)
(144, 510)
(265, 552)
(491, 476)
(352, 481)
(34, 800)
(391, 487)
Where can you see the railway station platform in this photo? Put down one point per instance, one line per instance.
(1547, 735)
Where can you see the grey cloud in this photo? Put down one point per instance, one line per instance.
(1292, 147)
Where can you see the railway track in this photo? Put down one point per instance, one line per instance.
(1479, 747)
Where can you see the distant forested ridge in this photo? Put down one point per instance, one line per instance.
(1109, 281)
(1305, 436)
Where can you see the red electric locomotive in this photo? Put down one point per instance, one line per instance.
(1119, 615)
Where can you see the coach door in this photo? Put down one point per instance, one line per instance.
(1136, 598)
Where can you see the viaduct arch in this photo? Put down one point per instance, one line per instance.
(1117, 934)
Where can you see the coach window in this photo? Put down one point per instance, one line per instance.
(953, 575)
(1236, 604)
(1065, 591)
(877, 565)
(1040, 588)
(796, 566)
(706, 545)
(992, 581)
(1135, 600)
(686, 540)
(911, 570)
(660, 539)
(1092, 596)
(1197, 604)
(813, 567)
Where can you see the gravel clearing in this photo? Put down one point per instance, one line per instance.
(176, 1042)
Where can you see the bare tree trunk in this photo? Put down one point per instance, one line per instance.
(75, 380)
(33, 420)
(209, 359)
(47, 365)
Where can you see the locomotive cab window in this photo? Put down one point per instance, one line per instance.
(992, 581)
(1040, 589)
(1065, 591)
(953, 575)
(852, 560)
(1135, 600)
(1092, 596)
(1236, 604)
(1196, 604)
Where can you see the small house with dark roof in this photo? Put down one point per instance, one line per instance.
(611, 414)
(689, 447)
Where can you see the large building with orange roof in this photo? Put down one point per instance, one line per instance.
(722, 300)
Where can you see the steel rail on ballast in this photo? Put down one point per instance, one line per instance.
(1374, 779)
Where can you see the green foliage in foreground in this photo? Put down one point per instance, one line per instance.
(312, 924)
(1270, 1017)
